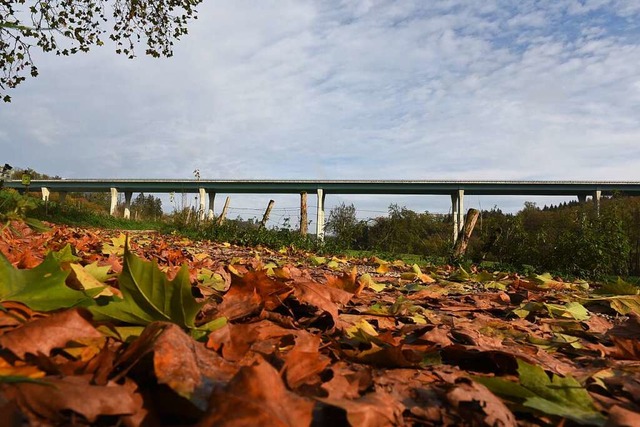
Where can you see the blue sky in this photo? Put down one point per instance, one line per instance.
(352, 89)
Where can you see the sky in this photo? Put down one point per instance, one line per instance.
(354, 89)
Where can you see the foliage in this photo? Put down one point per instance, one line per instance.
(69, 27)
(51, 293)
(560, 396)
(344, 228)
(15, 207)
(148, 296)
(146, 207)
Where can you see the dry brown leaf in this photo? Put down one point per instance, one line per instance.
(477, 405)
(256, 396)
(252, 291)
(45, 334)
(377, 409)
(304, 362)
(322, 297)
(346, 282)
(52, 401)
(621, 417)
(183, 364)
(235, 340)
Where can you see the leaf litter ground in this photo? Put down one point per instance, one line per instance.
(162, 330)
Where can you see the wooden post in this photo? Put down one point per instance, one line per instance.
(224, 211)
(462, 242)
(303, 213)
(265, 217)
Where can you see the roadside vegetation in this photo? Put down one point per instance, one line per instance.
(572, 239)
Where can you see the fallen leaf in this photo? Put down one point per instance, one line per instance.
(51, 293)
(60, 400)
(150, 296)
(256, 396)
(477, 405)
(561, 396)
(46, 334)
(377, 409)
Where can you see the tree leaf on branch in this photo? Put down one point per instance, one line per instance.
(69, 27)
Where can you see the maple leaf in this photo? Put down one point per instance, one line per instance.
(560, 396)
(41, 288)
(150, 296)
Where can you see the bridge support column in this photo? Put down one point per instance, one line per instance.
(582, 198)
(114, 201)
(457, 211)
(62, 196)
(127, 204)
(212, 198)
(45, 194)
(203, 203)
(596, 200)
(320, 216)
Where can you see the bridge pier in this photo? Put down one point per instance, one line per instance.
(114, 201)
(596, 196)
(320, 216)
(203, 205)
(62, 196)
(127, 204)
(212, 198)
(457, 211)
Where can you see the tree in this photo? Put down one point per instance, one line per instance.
(66, 27)
(343, 224)
(147, 207)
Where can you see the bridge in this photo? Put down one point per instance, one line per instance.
(455, 189)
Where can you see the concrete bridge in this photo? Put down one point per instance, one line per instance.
(455, 189)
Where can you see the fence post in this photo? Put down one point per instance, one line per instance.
(303, 213)
(224, 211)
(460, 246)
(265, 217)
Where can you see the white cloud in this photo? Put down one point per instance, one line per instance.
(350, 90)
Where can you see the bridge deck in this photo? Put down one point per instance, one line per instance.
(493, 188)
(456, 189)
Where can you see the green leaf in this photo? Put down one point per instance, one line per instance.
(65, 255)
(36, 224)
(623, 304)
(560, 396)
(117, 246)
(620, 287)
(101, 274)
(370, 283)
(41, 288)
(626, 304)
(572, 309)
(150, 296)
(317, 260)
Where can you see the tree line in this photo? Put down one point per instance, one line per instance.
(571, 238)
